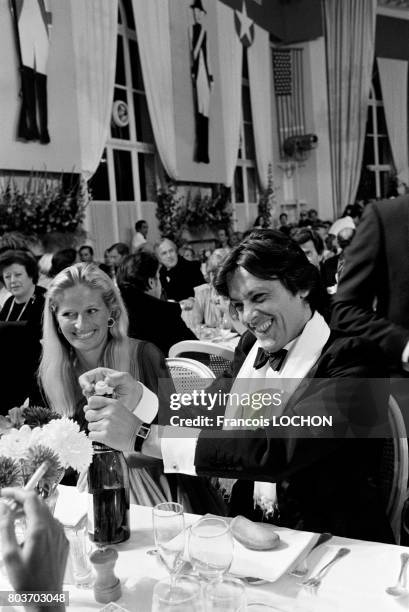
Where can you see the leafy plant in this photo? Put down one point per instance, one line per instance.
(42, 206)
(177, 213)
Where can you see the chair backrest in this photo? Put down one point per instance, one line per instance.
(189, 375)
(220, 357)
(394, 468)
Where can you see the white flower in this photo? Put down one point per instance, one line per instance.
(64, 437)
(15, 442)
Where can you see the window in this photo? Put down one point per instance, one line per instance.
(245, 176)
(377, 164)
(127, 171)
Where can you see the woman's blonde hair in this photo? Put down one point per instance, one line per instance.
(57, 372)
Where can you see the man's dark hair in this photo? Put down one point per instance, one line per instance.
(121, 247)
(24, 258)
(283, 214)
(86, 247)
(271, 255)
(356, 211)
(303, 235)
(61, 260)
(136, 270)
(138, 225)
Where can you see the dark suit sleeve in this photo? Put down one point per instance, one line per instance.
(349, 393)
(353, 311)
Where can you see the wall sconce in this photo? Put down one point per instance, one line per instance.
(289, 168)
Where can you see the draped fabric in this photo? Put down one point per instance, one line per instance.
(350, 41)
(230, 63)
(153, 32)
(259, 63)
(393, 75)
(94, 27)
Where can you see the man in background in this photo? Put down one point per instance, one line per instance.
(141, 234)
(178, 276)
(86, 253)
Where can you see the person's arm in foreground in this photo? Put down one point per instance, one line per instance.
(39, 564)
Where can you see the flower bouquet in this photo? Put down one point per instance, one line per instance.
(29, 436)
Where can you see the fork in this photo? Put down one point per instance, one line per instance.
(315, 581)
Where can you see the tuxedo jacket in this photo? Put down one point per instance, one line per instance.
(179, 282)
(323, 484)
(377, 270)
(154, 320)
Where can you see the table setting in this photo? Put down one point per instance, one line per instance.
(358, 579)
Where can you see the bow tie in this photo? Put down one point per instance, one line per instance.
(275, 359)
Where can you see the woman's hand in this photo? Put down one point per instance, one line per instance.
(39, 564)
(127, 390)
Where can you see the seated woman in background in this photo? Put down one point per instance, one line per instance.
(150, 318)
(19, 272)
(85, 326)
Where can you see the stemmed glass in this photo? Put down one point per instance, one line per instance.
(211, 548)
(169, 534)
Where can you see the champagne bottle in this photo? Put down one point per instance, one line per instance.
(108, 484)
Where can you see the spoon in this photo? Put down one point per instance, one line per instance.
(400, 587)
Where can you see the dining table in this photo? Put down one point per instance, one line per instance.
(355, 583)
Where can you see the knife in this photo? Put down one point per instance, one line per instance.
(301, 569)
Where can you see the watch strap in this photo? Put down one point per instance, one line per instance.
(141, 435)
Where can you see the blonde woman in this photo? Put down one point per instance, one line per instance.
(85, 326)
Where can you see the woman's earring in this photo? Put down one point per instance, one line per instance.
(111, 322)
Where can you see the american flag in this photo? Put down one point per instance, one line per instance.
(289, 93)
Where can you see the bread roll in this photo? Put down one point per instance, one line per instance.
(255, 536)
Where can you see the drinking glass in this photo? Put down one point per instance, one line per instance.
(211, 548)
(184, 596)
(228, 595)
(169, 534)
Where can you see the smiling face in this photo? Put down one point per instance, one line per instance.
(271, 312)
(18, 282)
(83, 319)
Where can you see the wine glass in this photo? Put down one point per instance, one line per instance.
(169, 534)
(184, 596)
(227, 595)
(211, 548)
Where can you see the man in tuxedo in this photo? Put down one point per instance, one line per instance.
(150, 318)
(372, 300)
(177, 275)
(324, 481)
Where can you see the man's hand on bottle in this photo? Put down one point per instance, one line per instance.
(127, 390)
(112, 423)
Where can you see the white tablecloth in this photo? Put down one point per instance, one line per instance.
(355, 584)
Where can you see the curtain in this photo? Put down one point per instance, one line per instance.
(259, 62)
(350, 41)
(393, 75)
(94, 27)
(230, 64)
(153, 32)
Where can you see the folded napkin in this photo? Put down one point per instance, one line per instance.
(272, 564)
(71, 506)
(269, 565)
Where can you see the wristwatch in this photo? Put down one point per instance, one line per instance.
(141, 435)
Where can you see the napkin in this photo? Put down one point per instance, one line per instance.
(269, 565)
(272, 564)
(71, 506)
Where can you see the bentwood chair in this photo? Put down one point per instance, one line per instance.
(189, 375)
(394, 468)
(220, 357)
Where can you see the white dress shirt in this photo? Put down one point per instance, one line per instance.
(303, 353)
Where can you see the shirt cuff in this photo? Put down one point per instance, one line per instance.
(178, 453)
(148, 405)
(405, 354)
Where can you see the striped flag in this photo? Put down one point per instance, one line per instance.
(289, 93)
